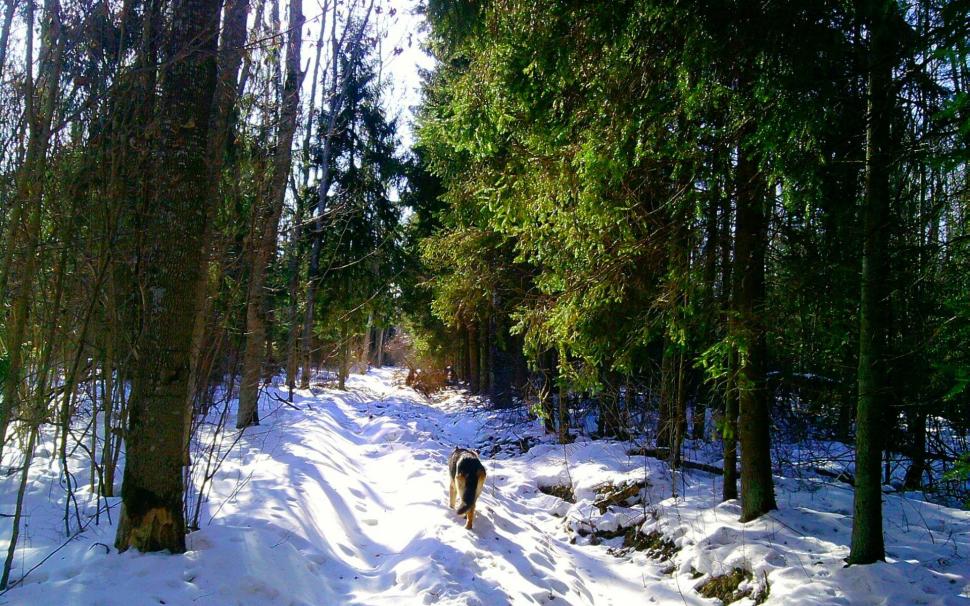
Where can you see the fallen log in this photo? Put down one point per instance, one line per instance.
(663, 454)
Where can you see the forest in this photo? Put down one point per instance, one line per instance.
(685, 274)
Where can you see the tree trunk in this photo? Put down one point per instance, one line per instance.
(547, 369)
(705, 395)
(679, 425)
(227, 70)
(461, 369)
(757, 490)
(380, 347)
(19, 507)
(365, 345)
(917, 427)
(484, 357)
(107, 371)
(151, 515)
(563, 421)
(5, 33)
(343, 357)
(501, 361)
(867, 536)
(293, 339)
(267, 223)
(730, 431)
(14, 224)
(21, 260)
(563, 424)
(474, 367)
(665, 410)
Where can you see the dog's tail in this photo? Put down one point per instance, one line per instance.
(470, 494)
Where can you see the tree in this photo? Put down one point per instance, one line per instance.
(352, 38)
(757, 491)
(151, 517)
(266, 223)
(867, 537)
(360, 248)
(20, 261)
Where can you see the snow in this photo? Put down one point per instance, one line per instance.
(342, 499)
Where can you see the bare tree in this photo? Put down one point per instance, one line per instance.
(25, 226)
(267, 223)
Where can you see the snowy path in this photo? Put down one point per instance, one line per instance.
(357, 488)
(342, 499)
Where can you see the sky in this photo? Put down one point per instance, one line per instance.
(403, 28)
(404, 31)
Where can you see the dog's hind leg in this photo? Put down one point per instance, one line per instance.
(451, 493)
(470, 517)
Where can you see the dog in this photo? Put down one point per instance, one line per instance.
(466, 476)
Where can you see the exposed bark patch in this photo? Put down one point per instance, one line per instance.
(154, 530)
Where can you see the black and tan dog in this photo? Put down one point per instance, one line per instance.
(466, 476)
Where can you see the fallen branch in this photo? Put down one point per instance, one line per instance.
(841, 476)
(662, 454)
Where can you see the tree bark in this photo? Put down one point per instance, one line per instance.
(267, 224)
(5, 33)
(665, 411)
(484, 356)
(867, 537)
(563, 404)
(343, 357)
(474, 351)
(499, 357)
(227, 70)
(547, 369)
(151, 515)
(365, 346)
(916, 421)
(19, 508)
(296, 238)
(380, 346)
(757, 490)
(730, 432)
(706, 396)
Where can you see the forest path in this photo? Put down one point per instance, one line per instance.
(356, 482)
(341, 498)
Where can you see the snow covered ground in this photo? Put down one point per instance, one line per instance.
(342, 499)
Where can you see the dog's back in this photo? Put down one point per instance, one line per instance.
(466, 479)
